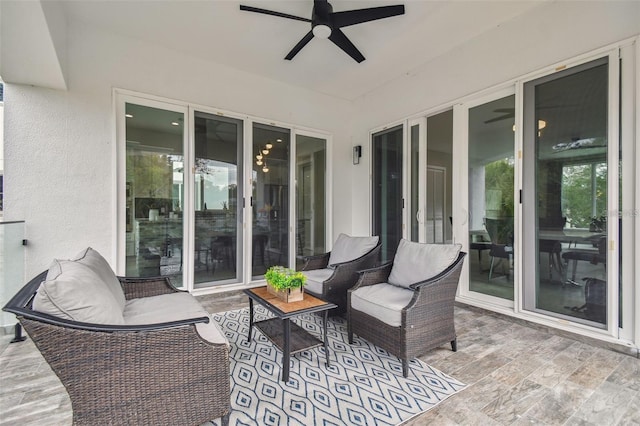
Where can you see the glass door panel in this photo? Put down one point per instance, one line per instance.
(415, 203)
(311, 160)
(154, 192)
(491, 197)
(217, 200)
(270, 198)
(436, 210)
(565, 198)
(439, 162)
(387, 189)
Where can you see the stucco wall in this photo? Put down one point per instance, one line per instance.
(550, 33)
(60, 159)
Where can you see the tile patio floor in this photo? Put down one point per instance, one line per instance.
(517, 374)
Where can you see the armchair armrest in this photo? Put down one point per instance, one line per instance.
(372, 276)
(21, 306)
(61, 322)
(318, 261)
(436, 292)
(137, 287)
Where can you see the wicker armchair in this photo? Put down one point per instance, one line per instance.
(405, 321)
(161, 373)
(330, 281)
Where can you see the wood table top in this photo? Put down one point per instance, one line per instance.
(308, 302)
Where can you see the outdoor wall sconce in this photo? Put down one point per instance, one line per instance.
(357, 153)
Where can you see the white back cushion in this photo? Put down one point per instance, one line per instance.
(415, 262)
(348, 248)
(95, 261)
(74, 291)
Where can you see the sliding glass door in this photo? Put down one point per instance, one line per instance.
(311, 194)
(270, 197)
(209, 199)
(491, 204)
(387, 189)
(566, 195)
(217, 201)
(154, 191)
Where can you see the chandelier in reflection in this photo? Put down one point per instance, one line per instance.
(260, 157)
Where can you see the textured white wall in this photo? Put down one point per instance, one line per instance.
(553, 32)
(59, 144)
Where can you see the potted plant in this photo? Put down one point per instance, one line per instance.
(285, 283)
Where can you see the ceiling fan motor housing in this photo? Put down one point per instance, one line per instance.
(321, 19)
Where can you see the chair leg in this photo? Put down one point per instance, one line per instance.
(454, 345)
(491, 267)
(350, 335)
(405, 367)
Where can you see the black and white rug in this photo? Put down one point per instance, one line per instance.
(363, 386)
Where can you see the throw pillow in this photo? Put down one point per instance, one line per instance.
(74, 291)
(99, 264)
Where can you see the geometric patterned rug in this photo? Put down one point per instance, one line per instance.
(363, 386)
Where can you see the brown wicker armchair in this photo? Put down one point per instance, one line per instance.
(161, 373)
(407, 321)
(330, 281)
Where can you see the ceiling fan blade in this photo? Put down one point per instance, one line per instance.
(298, 47)
(502, 117)
(358, 16)
(271, 12)
(340, 39)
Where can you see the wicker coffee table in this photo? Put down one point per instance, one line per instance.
(289, 337)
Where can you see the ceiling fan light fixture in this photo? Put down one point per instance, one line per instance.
(322, 31)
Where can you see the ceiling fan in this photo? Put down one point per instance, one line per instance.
(506, 113)
(325, 23)
(579, 143)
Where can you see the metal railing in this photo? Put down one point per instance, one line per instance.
(12, 270)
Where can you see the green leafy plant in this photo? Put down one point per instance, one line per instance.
(281, 278)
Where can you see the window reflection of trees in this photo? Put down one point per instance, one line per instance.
(499, 177)
(584, 193)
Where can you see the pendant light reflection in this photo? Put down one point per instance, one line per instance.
(260, 157)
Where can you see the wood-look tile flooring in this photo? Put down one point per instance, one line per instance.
(517, 374)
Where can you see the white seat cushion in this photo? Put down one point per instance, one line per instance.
(74, 291)
(415, 262)
(95, 261)
(172, 307)
(348, 248)
(382, 301)
(315, 278)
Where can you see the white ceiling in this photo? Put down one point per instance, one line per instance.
(257, 43)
